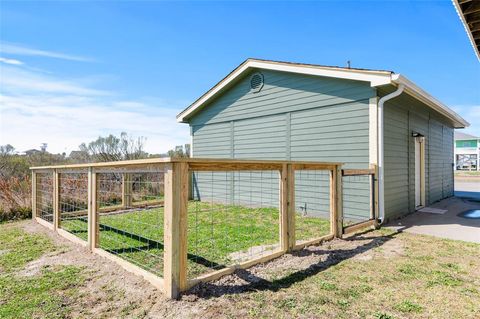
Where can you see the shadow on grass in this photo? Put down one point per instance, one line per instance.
(255, 283)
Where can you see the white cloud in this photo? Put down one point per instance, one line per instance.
(10, 61)
(23, 81)
(11, 48)
(36, 108)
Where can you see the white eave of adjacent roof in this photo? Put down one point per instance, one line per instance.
(376, 78)
(467, 28)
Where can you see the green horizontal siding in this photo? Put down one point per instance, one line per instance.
(282, 93)
(403, 116)
(466, 143)
(293, 117)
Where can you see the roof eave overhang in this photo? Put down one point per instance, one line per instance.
(375, 78)
(415, 91)
(467, 28)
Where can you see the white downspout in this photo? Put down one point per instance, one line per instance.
(381, 181)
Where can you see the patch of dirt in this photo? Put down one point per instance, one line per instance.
(256, 251)
(390, 249)
(110, 291)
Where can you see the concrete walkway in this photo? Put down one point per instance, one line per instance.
(447, 225)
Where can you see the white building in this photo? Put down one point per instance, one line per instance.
(467, 152)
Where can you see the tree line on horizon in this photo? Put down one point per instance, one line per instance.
(104, 149)
(15, 175)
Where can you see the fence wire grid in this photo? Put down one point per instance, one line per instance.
(357, 198)
(233, 217)
(130, 210)
(44, 189)
(73, 202)
(312, 204)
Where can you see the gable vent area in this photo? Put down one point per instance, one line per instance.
(256, 82)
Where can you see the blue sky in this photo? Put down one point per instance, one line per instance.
(71, 71)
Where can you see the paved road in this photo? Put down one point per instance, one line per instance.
(467, 188)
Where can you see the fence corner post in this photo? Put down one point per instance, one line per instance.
(56, 200)
(92, 210)
(175, 229)
(34, 195)
(336, 202)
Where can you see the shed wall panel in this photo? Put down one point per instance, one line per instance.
(403, 116)
(294, 117)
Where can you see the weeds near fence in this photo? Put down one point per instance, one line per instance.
(15, 198)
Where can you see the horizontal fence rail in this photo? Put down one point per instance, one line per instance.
(179, 222)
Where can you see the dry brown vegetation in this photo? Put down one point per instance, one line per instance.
(15, 197)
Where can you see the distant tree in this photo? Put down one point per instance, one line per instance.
(79, 157)
(14, 164)
(6, 153)
(6, 150)
(113, 148)
(180, 151)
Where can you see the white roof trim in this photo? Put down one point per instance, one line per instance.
(376, 78)
(415, 91)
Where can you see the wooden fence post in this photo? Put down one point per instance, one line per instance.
(339, 201)
(284, 208)
(336, 202)
(34, 195)
(56, 200)
(93, 233)
(127, 190)
(287, 208)
(175, 229)
(374, 190)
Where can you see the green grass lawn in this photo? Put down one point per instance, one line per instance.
(39, 296)
(381, 274)
(215, 232)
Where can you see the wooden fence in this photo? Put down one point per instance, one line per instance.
(76, 211)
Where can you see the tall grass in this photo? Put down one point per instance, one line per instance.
(15, 194)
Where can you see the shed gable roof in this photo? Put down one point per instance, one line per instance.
(374, 77)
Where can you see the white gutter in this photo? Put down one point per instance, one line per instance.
(381, 181)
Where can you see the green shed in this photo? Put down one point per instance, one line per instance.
(289, 111)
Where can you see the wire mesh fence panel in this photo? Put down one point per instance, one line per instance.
(233, 216)
(44, 196)
(312, 204)
(130, 208)
(73, 202)
(357, 198)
